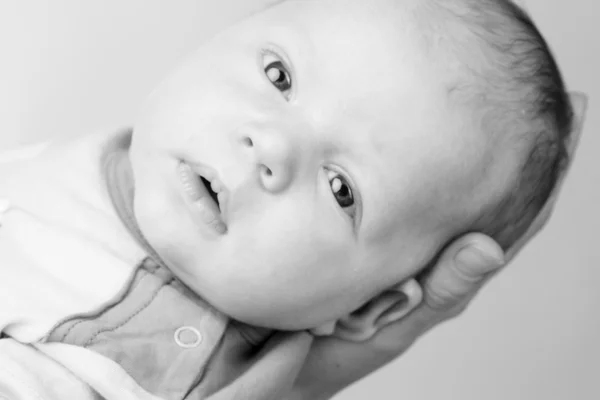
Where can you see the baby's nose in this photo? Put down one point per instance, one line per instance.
(273, 158)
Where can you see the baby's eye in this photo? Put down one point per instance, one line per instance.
(278, 74)
(342, 191)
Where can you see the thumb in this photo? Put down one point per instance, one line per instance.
(273, 373)
(461, 270)
(455, 278)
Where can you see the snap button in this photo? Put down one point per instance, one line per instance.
(150, 264)
(188, 337)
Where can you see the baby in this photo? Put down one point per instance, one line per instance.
(296, 172)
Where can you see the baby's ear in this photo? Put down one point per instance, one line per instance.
(382, 310)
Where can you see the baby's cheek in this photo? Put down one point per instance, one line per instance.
(323, 258)
(157, 218)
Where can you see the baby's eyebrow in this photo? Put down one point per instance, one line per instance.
(296, 41)
(362, 151)
(335, 148)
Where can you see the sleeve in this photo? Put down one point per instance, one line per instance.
(13, 280)
(59, 253)
(27, 374)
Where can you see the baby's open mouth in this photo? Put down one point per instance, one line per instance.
(210, 191)
(205, 193)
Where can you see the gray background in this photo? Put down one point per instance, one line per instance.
(68, 66)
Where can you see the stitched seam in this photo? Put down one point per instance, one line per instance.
(86, 319)
(87, 316)
(142, 308)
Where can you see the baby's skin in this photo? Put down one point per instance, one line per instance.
(297, 172)
(339, 163)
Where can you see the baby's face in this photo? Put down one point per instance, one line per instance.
(341, 163)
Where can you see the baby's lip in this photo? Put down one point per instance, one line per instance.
(196, 193)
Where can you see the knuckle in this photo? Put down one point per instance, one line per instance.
(467, 275)
(439, 299)
(447, 294)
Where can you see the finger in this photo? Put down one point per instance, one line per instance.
(461, 269)
(579, 102)
(457, 275)
(274, 371)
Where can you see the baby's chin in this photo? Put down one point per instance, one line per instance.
(261, 306)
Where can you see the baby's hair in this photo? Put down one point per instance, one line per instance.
(521, 99)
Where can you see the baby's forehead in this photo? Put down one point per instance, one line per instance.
(350, 54)
(338, 27)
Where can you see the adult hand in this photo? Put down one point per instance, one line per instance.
(463, 268)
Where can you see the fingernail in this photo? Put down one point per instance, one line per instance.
(477, 255)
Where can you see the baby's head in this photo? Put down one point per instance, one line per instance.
(348, 141)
